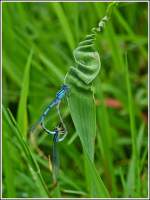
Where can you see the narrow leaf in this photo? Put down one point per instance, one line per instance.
(133, 175)
(81, 102)
(95, 183)
(64, 23)
(22, 107)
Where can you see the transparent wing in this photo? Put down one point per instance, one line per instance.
(62, 130)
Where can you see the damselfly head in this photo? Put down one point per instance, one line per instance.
(65, 87)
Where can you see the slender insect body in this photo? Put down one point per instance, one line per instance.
(64, 90)
(46, 111)
(56, 138)
(59, 96)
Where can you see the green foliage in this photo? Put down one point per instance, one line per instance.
(22, 109)
(30, 161)
(38, 44)
(81, 103)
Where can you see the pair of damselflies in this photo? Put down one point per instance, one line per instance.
(59, 133)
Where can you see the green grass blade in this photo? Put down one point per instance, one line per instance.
(131, 111)
(133, 177)
(31, 162)
(112, 38)
(95, 184)
(83, 114)
(140, 138)
(65, 24)
(22, 107)
(8, 72)
(127, 28)
(82, 106)
(8, 165)
(52, 69)
(105, 138)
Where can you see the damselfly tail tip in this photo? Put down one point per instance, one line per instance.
(31, 130)
(34, 129)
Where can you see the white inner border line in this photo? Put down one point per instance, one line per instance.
(132, 1)
(1, 91)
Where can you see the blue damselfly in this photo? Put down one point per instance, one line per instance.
(59, 133)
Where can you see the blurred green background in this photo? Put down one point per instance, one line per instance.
(38, 40)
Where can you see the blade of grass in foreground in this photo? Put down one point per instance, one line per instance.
(133, 179)
(82, 107)
(30, 160)
(85, 123)
(8, 167)
(95, 184)
(81, 102)
(22, 108)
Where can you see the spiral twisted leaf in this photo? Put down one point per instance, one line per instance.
(80, 79)
(87, 61)
(81, 102)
